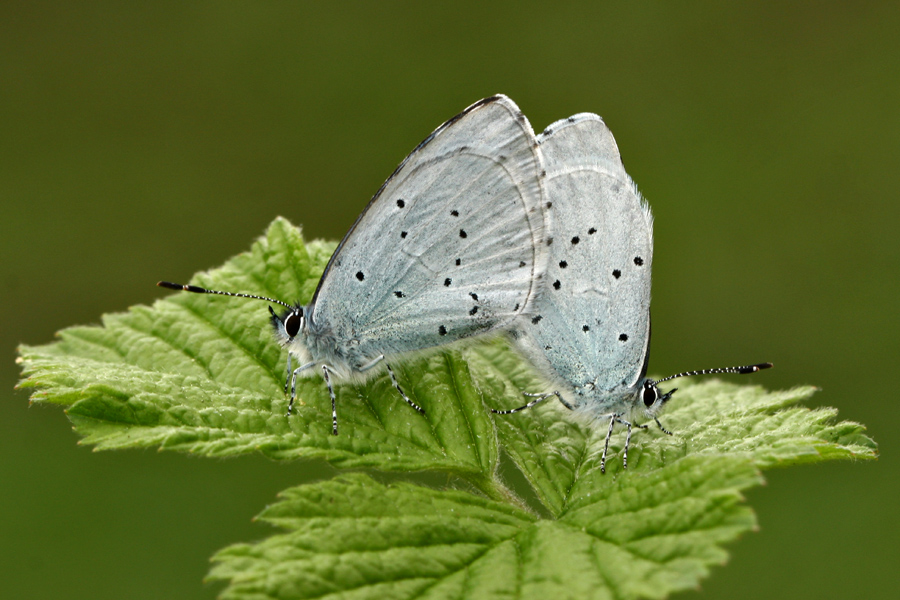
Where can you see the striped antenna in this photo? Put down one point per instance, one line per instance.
(741, 370)
(200, 290)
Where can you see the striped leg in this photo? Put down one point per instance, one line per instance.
(330, 393)
(371, 363)
(287, 380)
(612, 422)
(537, 398)
(627, 440)
(664, 430)
(397, 386)
(293, 381)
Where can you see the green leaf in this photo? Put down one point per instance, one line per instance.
(354, 534)
(645, 533)
(203, 374)
(561, 457)
(642, 536)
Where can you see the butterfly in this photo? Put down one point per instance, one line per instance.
(450, 247)
(589, 334)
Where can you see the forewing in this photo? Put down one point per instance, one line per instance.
(451, 244)
(593, 322)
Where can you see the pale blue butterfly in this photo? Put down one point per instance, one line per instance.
(590, 331)
(450, 247)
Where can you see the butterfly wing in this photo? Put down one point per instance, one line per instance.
(450, 246)
(591, 330)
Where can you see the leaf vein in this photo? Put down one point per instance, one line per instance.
(204, 319)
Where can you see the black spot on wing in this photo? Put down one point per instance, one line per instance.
(623, 337)
(360, 276)
(575, 240)
(442, 330)
(447, 282)
(585, 328)
(563, 264)
(473, 311)
(455, 213)
(463, 234)
(401, 203)
(556, 284)
(399, 294)
(638, 261)
(403, 234)
(537, 319)
(617, 273)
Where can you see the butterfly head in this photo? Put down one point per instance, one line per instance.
(652, 398)
(289, 325)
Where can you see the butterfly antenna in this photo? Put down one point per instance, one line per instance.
(740, 370)
(199, 290)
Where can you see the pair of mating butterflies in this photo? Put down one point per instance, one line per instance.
(487, 227)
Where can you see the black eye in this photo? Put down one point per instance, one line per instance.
(292, 323)
(649, 396)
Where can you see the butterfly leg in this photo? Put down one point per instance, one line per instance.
(664, 430)
(292, 378)
(371, 363)
(537, 398)
(333, 404)
(612, 422)
(563, 402)
(397, 387)
(627, 440)
(287, 380)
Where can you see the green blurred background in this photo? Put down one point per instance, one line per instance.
(148, 142)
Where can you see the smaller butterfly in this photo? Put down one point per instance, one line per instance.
(590, 334)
